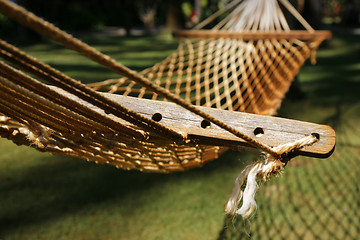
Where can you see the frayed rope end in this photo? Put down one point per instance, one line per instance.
(251, 173)
(259, 170)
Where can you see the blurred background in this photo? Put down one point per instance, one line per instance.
(55, 197)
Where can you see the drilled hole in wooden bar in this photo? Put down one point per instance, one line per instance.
(205, 124)
(156, 117)
(316, 135)
(258, 132)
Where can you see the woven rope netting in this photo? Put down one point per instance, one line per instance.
(245, 63)
(227, 71)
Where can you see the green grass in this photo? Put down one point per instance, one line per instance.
(55, 197)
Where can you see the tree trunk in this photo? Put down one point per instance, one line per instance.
(198, 9)
(175, 18)
(313, 13)
(127, 17)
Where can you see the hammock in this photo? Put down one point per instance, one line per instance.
(218, 68)
(244, 64)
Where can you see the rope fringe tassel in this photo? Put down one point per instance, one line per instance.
(260, 170)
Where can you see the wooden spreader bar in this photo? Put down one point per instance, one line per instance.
(294, 34)
(272, 131)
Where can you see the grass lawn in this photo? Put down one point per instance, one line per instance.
(55, 197)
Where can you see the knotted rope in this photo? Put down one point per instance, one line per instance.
(261, 170)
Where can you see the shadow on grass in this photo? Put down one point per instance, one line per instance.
(62, 186)
(340, 81)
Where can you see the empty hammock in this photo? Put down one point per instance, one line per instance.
(213, 93)
(245, 63)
